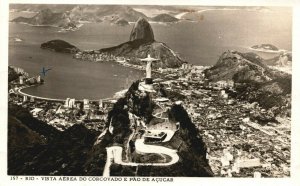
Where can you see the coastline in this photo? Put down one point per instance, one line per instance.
(52, 26)
(20, 92)
(121, 63)
(136, 67)
(269, 51)
(113, 97)
(23, 23)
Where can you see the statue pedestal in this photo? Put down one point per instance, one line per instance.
(148, 81)
(146, 87)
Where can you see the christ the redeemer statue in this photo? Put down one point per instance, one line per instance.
(149, 61)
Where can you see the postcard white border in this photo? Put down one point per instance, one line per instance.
(295, 129)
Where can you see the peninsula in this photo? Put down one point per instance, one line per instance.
(265, 48)
(141, 43)
(59, 46)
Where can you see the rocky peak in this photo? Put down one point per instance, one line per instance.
(142, 31)
(233, 58)
(240, 67)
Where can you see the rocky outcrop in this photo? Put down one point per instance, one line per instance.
(192, 148)
(253, 80)
(59, 46)
(165, 18)
(141, 44)
(134, 50)
(142, 31)
(121, 22)
(240, 67)
(267, 47)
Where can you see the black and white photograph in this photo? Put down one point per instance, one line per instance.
(133, 90)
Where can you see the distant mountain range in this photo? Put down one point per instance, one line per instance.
(119, 15)
(122, 14)
(46, 17)
(38, 7)
(109, 13)
(66, 16)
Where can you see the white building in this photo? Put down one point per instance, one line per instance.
(228, 155)
(197, 69)
(32, 99)
(245, 162)
(86, 104)
(222, 84)
(100, 103)
(38, 79)
(224, 94)
(35, 111)
(67, 102)
(246, 120)
(225, 162)
(235, 168)
(21, 80)
(185, 66)
(257, 174)
(18, 70)
(25, 98)
(71, 103)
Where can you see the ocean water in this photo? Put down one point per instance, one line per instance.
(200, 43)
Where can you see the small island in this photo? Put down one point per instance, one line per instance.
(265, 48)
(60, 46)
(165, 18)
(121, 22)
